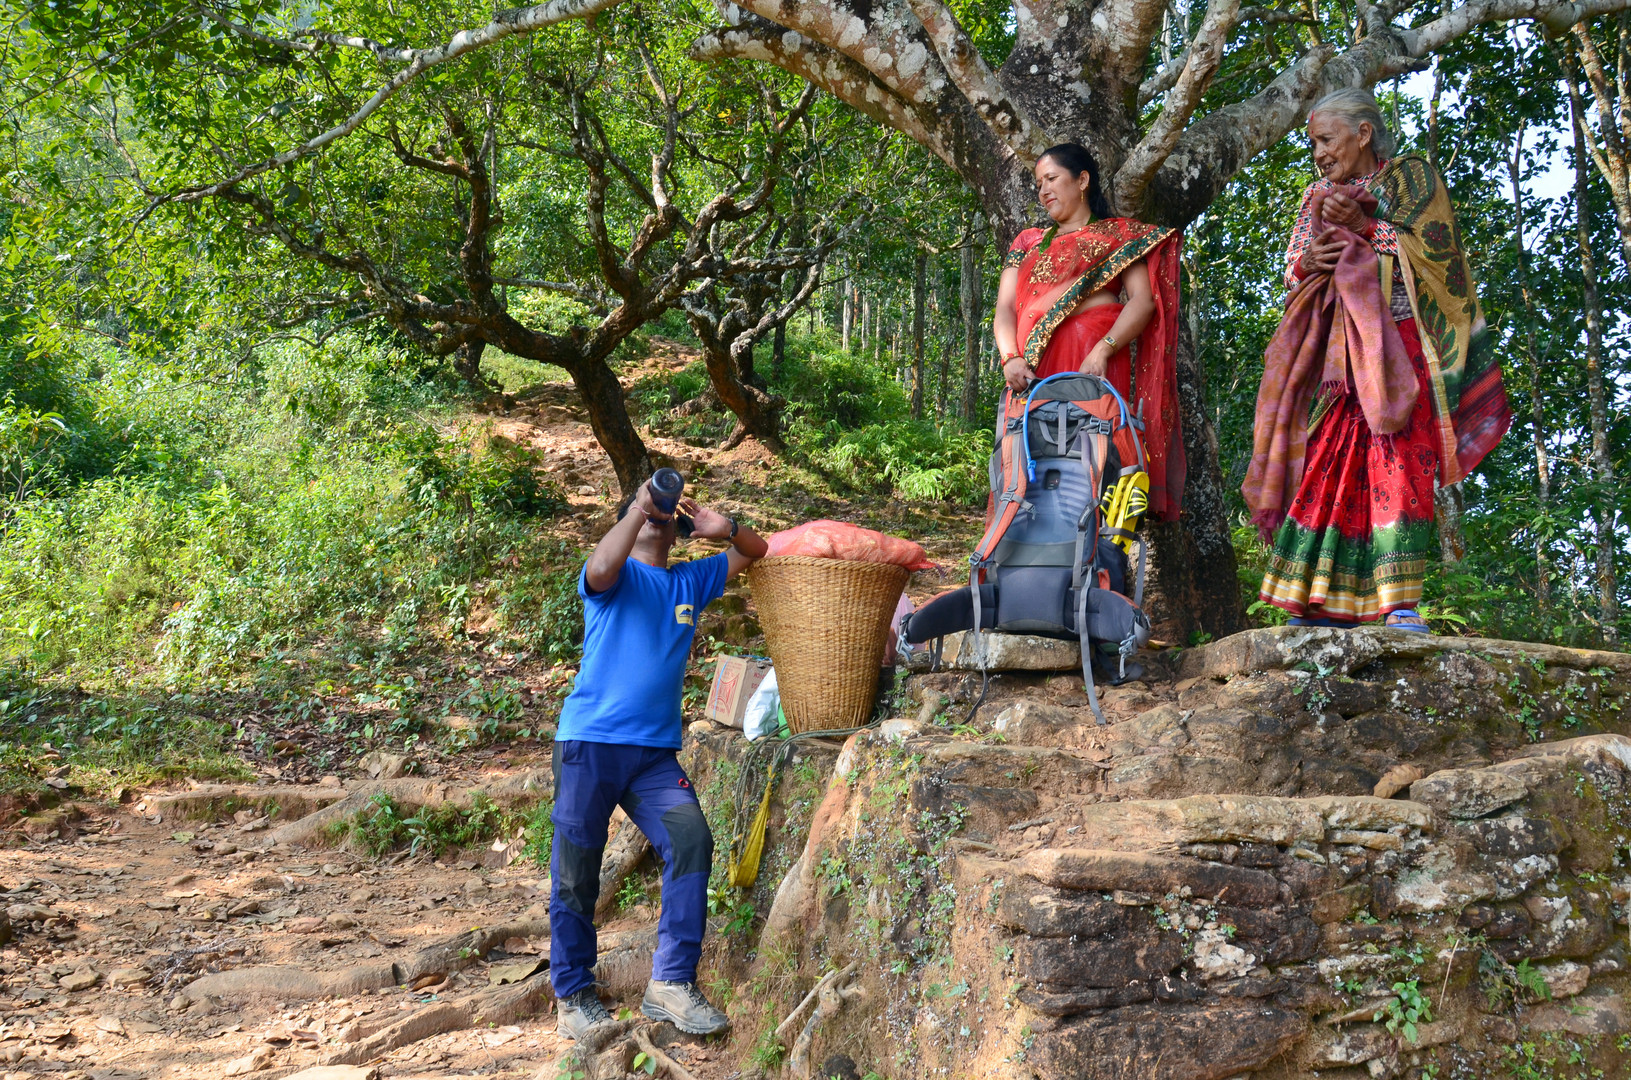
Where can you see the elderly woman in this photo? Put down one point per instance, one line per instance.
(1378, 383)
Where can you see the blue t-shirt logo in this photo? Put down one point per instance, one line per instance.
(682, 614)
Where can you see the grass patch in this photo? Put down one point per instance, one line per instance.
(384, 826)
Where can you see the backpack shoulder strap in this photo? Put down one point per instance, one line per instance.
(1006, 503)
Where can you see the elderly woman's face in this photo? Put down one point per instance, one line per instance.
(1340, 152)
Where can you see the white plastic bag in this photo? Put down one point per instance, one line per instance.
(760, 718)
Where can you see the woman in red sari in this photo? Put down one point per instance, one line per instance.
(1075, 296)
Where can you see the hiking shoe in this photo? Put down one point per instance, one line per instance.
(577, 1013)
(682, 1004)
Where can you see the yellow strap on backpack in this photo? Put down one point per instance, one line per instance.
(1125, 504)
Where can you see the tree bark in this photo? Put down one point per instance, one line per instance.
(1193, 568)
(942, 388)
(1613, 158)
(1537, 416)
(778, 349)
(602, 396)
(1449, 507)
(847, 314)
(973, 322)
(467, 363)
(1602, 461)
(729, 360)
(919, 291)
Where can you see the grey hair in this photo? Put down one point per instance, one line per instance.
(1356, 106)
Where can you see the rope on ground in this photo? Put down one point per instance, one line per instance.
(748, 824)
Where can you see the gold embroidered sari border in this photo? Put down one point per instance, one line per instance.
(1089, 283)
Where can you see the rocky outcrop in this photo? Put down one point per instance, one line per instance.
(1208, 888)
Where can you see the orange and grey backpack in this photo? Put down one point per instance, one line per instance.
(1067, 488)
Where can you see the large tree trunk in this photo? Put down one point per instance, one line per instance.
(729, 360)
(919, 289)
(1602, 461)
(1195, 586)
(602, 396)
(467, 362)
(973, 323)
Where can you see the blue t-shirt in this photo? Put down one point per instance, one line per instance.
(636, 640)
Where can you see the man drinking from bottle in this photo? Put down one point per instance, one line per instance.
(616, 743)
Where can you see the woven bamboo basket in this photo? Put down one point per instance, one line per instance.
(825, 624)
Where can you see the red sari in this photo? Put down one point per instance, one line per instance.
(1055, 274)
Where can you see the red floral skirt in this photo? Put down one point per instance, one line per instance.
(1074, 339)
(1355, 541)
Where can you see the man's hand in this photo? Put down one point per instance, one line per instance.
(746, 545)
(705, 523)
(643, 503)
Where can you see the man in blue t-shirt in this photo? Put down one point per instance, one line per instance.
(615, 746)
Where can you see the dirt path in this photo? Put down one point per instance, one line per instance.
(112, 924)
(123, 907)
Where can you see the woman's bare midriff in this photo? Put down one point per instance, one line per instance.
(1093, 300)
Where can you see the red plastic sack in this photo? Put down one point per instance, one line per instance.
(836, 540)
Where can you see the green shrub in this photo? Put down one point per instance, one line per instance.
(849, 417)
(318, 498)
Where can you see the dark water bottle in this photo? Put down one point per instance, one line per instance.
(666, 488)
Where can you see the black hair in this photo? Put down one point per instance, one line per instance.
(1077, 159)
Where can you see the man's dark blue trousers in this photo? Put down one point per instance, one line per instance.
(591, 779)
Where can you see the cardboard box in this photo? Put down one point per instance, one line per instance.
(735, 680)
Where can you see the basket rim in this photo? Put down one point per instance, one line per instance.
(823, 561)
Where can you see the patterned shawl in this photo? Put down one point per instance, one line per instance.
(1470, 405)
(1055, 272)
(1336, 328)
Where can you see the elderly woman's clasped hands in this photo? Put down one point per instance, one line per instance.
(1326, 250)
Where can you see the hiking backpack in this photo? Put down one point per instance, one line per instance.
(1067, 487)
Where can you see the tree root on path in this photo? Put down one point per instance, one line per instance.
(494, 1005)
(647, 1047)
(841, 975)
(414, 793)
(831, 999)
(604, 1052)
(292, 984)
(212, 801)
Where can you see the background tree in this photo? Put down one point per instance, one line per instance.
(1228, 83)
(404, 211)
